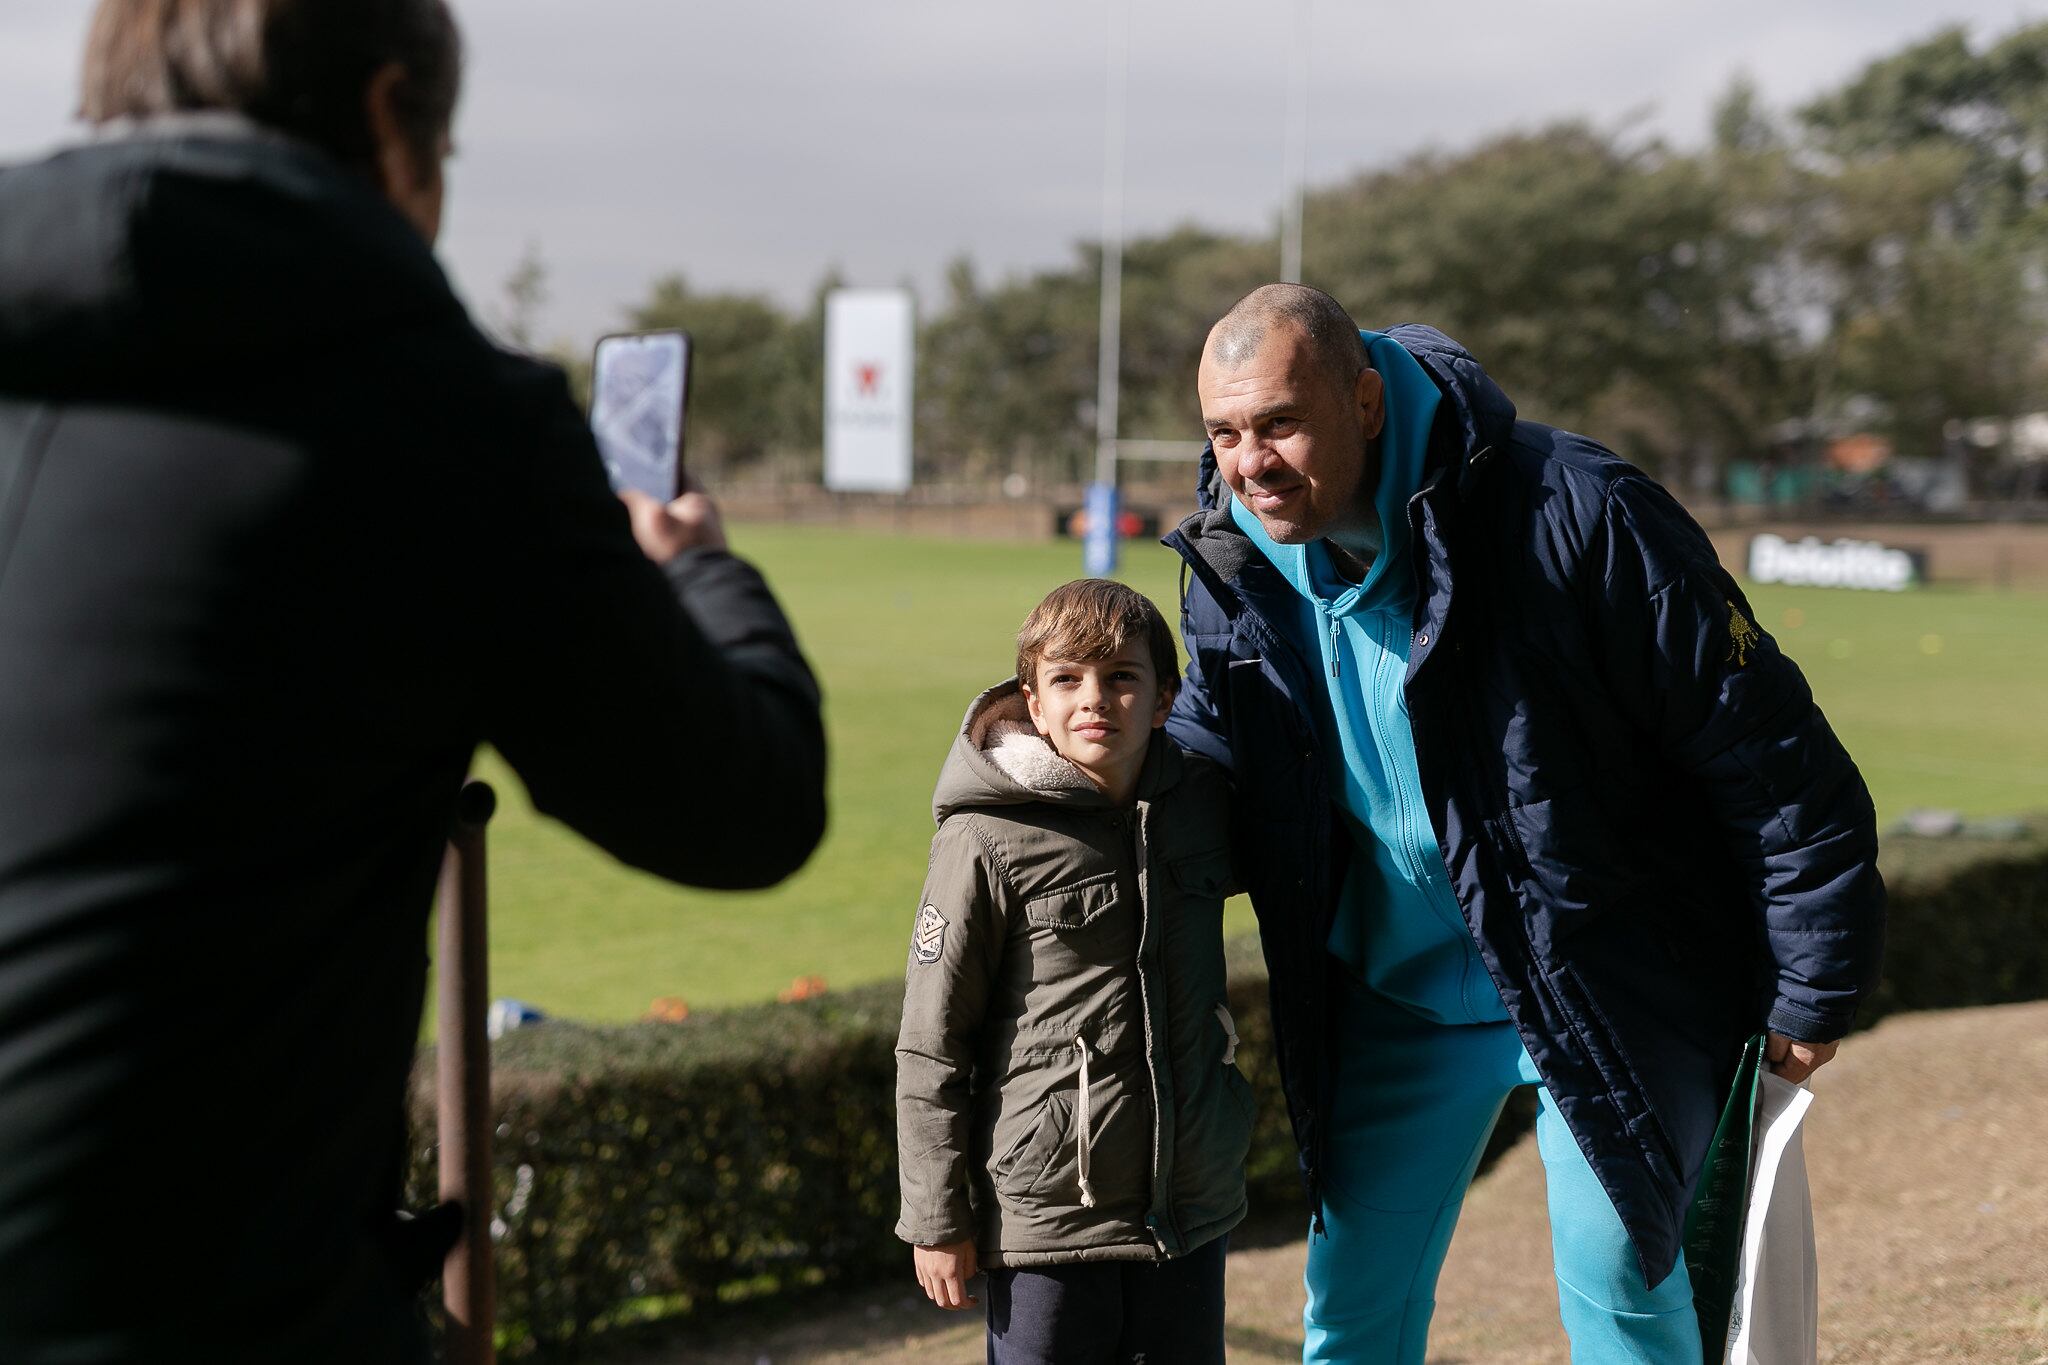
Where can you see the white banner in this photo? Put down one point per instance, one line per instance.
(870, 358)
(1807, 563)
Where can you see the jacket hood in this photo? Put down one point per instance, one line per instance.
(1482, 415)
(999, 759)
(182, 248)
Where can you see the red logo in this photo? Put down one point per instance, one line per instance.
(1129, 524)
(867, 379)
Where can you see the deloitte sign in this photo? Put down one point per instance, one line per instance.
(1809, 563)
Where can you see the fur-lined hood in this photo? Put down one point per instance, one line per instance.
(999, 759)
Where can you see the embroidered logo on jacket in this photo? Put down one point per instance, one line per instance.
(1742, 636)
(928, 940)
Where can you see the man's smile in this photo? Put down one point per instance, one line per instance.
(1266, 496)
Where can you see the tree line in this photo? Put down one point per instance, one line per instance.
(1875, 260)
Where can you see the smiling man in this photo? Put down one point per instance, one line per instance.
(1510, 810)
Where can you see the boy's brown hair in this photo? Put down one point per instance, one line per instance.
(1095, 618)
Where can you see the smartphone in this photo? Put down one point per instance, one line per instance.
(639, 398)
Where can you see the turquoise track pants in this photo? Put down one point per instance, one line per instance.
(1413, 1104)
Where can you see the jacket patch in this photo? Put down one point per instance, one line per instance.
(1742, 636)
(928, 940)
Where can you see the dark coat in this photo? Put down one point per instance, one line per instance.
(282, 539)
(1658, 843)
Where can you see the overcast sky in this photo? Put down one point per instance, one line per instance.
(755, 145)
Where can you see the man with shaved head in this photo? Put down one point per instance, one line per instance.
(1523, 796)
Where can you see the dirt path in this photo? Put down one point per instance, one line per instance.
(1928, 1152)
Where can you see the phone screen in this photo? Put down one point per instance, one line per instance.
(638, 384)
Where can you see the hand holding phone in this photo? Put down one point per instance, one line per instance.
(664, 530)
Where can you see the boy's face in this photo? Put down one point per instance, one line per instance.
(1100, 714)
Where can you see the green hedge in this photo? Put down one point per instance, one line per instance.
(1967, 922)
(652, 1169)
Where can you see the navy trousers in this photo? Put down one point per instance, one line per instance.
(1109, 1312)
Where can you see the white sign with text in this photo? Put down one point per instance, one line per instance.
(1808, 563)
(870, 358)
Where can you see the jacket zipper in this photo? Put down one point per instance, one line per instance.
(1374, 695)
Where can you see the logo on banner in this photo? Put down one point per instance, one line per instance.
(868, 402)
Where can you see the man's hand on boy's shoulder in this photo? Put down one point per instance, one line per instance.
(943, 1272)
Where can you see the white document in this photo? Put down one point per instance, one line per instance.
(1775, 1319)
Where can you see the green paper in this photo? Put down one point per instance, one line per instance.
(1713, 1225)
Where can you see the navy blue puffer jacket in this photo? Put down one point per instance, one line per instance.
(1657, 842)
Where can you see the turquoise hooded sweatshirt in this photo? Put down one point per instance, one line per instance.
(1398, 924)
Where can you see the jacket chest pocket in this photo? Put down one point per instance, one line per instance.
(1072, 907)
(1205, 876)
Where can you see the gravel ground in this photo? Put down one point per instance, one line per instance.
(1927, 1147)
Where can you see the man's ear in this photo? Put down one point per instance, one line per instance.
(396, 174)
(1370, 393)
(414, 186)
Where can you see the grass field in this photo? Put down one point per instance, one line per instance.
(1939, 695)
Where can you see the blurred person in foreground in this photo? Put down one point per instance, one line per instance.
(282, 539)
(1524, 795)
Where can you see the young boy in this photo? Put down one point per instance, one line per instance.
(1070, 1117)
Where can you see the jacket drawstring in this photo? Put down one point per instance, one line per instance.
(1229, 1031)
(1081, 1125)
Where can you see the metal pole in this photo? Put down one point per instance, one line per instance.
(468, 1285)
(1297, 146)
(1110, 333)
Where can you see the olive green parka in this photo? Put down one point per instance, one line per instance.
(1066, 1086)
